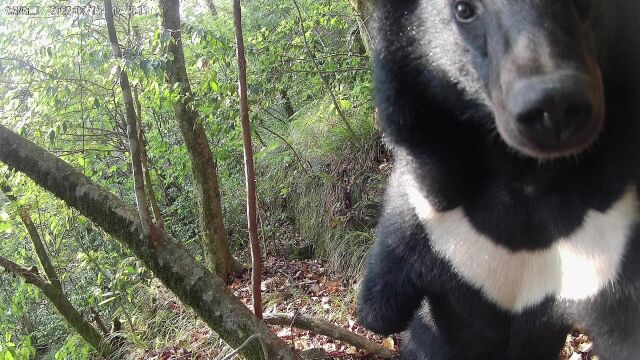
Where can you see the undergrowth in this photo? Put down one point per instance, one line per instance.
(331, 191)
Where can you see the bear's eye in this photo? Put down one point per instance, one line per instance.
(465, 11)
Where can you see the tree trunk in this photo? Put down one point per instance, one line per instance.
(363, 11)
(132, 128)
(168, 259)
(214, 236)
(151, 194)
(252, 213)
(212, 7)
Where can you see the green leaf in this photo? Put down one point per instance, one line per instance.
(213, 84)
(345, 104)
(5, 227)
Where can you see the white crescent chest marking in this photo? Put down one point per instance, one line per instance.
(573, 268)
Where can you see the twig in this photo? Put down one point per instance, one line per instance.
(336, 71)
(245, 343)
(300, 161)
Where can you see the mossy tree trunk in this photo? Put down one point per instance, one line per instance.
(364, 11)
(167, 258)
(203, 166)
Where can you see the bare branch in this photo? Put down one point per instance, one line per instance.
(36, 240)
(300, 161)
(31, 276)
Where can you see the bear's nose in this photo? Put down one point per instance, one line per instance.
(550, 110)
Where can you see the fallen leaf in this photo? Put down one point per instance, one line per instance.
(389, 344)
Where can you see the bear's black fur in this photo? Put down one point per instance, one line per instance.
(436, 79)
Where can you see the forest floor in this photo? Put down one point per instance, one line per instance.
(306, 287)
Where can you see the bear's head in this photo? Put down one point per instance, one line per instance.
(539, 66)
(533, 69)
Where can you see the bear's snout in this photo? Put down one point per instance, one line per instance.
(556, 114)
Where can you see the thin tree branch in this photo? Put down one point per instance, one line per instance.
(132, 129)
(252, 217)
(31, 276)
(62, 304)
(153, 200)
(36, 240)
(300, 161)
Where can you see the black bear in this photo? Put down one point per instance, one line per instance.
(512, 212)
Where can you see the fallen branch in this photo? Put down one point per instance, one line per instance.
(325, 328)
